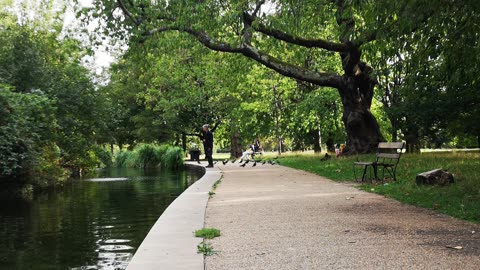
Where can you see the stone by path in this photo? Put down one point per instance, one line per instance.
(273, 217)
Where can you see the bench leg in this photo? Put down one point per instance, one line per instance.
(364, 172)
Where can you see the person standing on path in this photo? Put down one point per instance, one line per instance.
(208, 145)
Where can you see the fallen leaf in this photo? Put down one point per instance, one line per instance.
(454, 247)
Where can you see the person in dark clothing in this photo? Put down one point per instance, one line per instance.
(208, 145)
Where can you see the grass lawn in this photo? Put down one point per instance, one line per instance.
(461, 199)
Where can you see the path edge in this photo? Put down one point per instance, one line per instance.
(170, 243)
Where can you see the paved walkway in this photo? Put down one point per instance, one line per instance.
(273, 217)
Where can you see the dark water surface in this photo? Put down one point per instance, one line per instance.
(90, 224)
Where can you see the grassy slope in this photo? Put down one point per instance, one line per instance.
(461, 199)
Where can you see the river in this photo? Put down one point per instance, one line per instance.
(93, 223)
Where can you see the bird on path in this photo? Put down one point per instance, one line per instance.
(247, 161)
(243, 165)
(215, 162)
(263, 163)
(233, 161)
(198, 161)
(254, 164)
(225, 161)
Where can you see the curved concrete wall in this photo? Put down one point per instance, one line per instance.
(170, 243)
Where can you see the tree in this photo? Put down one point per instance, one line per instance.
(429, 83)
(241, 27)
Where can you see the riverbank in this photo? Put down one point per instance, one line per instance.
(274, 217)
(171, 244)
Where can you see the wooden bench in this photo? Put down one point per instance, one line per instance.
(387, 158)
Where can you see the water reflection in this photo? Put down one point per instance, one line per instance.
(90, 224)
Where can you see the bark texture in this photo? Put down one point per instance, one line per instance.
(236, 146)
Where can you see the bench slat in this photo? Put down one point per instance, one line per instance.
(388, 155)
(391, 145)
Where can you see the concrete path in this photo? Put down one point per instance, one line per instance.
(272, 217)
(170, 243)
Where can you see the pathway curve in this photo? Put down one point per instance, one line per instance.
(273, 217)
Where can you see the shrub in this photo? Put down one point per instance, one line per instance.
(173, 157)
(150, 156)
(104, 156)
(147, 156)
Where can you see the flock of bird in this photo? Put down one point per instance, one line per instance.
(253, 161)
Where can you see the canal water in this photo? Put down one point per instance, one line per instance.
(95, 223)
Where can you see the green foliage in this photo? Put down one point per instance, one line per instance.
(206, 249)
(173, 157)
(151, 156)
(26, 124)
(147, 156)
(121, 159)
(51, 115)
(104, 156)
(208, 233)
(48, 170)
(461, 199)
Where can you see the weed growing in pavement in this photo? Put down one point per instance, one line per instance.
(208, 233)
(205, 249)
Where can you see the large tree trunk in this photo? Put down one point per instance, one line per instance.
(411, 138)
(184, 143)
(363, 132)
(317, 148)
(236, 146)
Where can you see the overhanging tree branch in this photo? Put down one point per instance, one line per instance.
(308, 43)
(322, 79)
(127, 12)
(289, 70)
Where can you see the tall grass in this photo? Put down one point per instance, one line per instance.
(461, 199)
(151, 156)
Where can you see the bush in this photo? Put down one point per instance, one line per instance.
(47, 170)
(151, 156)
(104, 156)
(173, 157)
(121, 159)
(147, 156)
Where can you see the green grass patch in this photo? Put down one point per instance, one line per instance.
(208, 233)
(461, 199)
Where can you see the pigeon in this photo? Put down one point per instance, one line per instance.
(247, 161)
(243, 165)
(270, 162)
(254, 164)
(233, 161)
(225, 161)
(198, 161)
(214, 163)
(263, 163)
